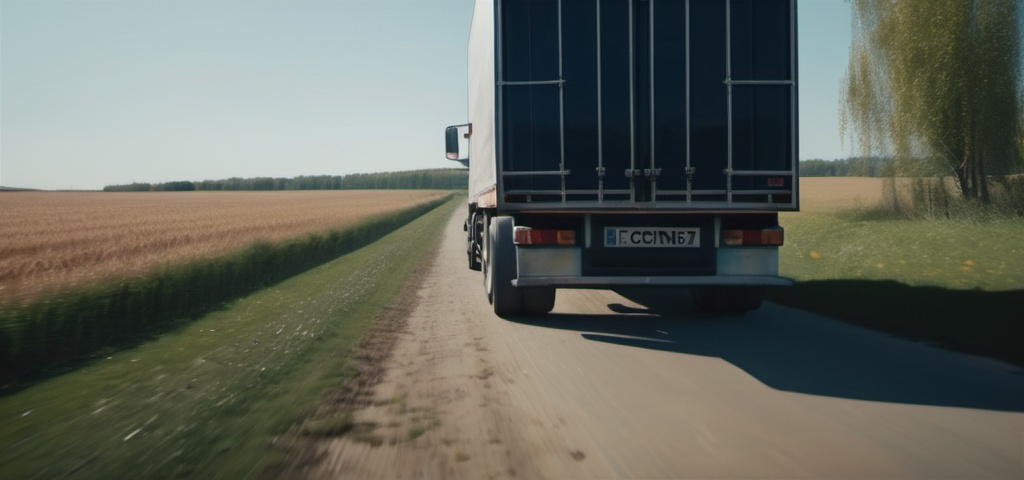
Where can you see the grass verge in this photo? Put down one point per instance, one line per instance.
(209, 399)
(63, 329)
(956, 283)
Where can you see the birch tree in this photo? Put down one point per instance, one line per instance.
(937, 84)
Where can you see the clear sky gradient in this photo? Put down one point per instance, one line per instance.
(95, 93)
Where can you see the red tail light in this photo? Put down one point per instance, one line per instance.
(530, 236)
(772, 236)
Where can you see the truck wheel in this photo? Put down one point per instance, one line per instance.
(501, 268)
(728, 299)
(474, 249)
(538, 301)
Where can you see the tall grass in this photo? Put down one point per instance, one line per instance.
(930, 198)
(46, 334)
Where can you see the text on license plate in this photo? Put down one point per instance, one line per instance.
(659, 237)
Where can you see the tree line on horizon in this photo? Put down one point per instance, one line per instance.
(847, 167)
(430, 179)
(452, 178)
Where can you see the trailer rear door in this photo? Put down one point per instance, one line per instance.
(647, 103)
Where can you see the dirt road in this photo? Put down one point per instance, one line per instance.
(642, 386)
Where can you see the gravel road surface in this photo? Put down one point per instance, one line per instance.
(640, 385)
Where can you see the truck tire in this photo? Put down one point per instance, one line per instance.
(474, 249)
(501, 268)
(538, 301)
(739, 299)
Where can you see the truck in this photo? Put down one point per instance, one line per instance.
(629, 143)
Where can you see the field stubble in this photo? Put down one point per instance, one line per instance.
(57, 241)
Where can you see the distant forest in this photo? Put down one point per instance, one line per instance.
(850, 167)
(442, 179)
(432, 179)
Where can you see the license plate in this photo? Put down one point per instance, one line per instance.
(651, 237)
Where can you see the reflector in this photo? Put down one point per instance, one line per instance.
(529, 236)
(769, 236)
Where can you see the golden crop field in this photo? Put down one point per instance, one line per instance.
(57, 240)
(826, 194)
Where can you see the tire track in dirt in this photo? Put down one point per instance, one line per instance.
(427, 400)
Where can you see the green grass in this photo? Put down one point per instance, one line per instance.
(210, 399)
(953, 282)
(952, 254)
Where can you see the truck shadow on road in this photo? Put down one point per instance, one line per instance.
(790, 350)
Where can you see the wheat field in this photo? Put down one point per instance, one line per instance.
(830, 194)
(53, 241)
(59, 240)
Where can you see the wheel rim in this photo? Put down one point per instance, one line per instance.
(485, 261)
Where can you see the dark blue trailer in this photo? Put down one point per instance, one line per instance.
(629, 143)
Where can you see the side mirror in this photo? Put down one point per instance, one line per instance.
(451, 143)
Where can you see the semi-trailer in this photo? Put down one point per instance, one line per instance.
(629, 143)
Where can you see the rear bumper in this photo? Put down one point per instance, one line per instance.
(608, 282)
(563, 267)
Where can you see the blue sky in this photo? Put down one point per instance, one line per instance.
(94, 93)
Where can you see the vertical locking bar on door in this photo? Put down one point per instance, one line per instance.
(689, 168)
(561, 104)
(728, 99)
(654, 167)
(794, 109)
(632, 111)
(600, 125)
